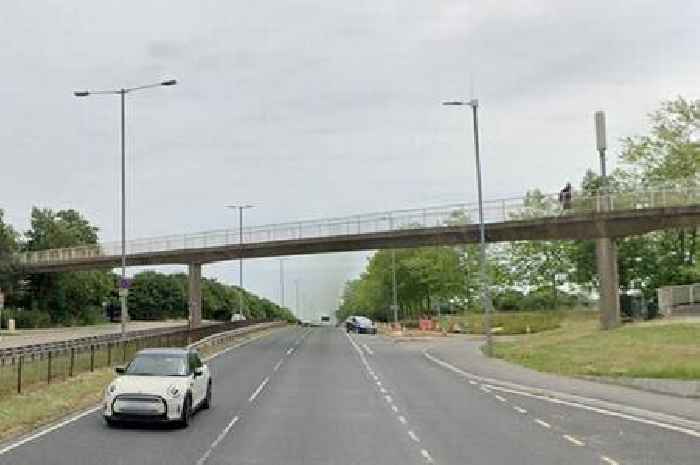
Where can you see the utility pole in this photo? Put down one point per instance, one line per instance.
(485, 294)
(240, 209)
(296, 298)
(395, 305)
(123, 282)
(282, 260)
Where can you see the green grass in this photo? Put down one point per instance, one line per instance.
(22, 413)
(578, 347)
(508, 322)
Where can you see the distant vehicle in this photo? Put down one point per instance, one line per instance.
(159, 385)
(325, 320)
(360, 325)
(237, 317)
(306, 322)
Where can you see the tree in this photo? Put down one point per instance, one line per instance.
(670, 153)
(72, 296)
(8, 246)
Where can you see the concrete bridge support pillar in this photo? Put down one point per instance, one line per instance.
(606, 256)
(195, 294)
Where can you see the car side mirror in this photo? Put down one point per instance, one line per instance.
(120, 370)
(199, 371)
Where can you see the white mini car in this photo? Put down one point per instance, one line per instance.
(159, 385)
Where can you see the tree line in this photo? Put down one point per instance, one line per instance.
(74, 298)
(532, 275)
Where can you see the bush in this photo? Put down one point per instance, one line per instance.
(26, 318)
(91, 315)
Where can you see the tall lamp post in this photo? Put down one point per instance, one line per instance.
(240, 209)
(123, 284)
(485, 295)
(282, 260)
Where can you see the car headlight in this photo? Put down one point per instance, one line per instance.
(174, 391)
(110, 389)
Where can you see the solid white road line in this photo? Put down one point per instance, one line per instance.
(258, 390)
(472, 382)
(369, 351)
(549, 397)
(389, 399)
(573, 440)
(542, 423)
(290, 350)
(278, 365)
(402, 419)
(413, 436)
(484, 388)
(216, 442)
(394, 408)
(501, 398)
(382, 390)
(519, 409)
(608, 460)
(426, 456)
(41, 433)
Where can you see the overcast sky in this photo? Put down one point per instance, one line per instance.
(309, 109)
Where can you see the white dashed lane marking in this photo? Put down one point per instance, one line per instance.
(501, 398)
(608, 460)
(519, 409)
(258, 390)
(278, 365)
(573, 440)
(542, 423)
(216, 442)
(426, 456)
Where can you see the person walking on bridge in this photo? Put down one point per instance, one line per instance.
(565, 197)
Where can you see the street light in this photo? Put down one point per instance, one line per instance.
(282, 260)
(486, 297)
(240, 260)
(123, 285)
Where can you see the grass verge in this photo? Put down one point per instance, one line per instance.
(47, 403)
(578, 347)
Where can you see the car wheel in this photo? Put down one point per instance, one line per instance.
(206, 403)
(186, 412)
(111, 423)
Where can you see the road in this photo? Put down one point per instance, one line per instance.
(318, 396)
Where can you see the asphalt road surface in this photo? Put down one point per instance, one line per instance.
(318, 396)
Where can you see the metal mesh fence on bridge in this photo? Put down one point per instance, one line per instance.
(530, 207)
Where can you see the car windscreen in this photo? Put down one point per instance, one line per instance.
(158, 365)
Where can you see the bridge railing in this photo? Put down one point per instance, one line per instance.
(533, 206)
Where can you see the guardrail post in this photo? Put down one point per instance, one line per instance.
(19, 374)
(123, 351)
(92, 357)
(72, 362)
(48, 370)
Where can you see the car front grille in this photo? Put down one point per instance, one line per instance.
(146, 405)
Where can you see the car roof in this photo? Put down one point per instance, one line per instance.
(165, 350)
